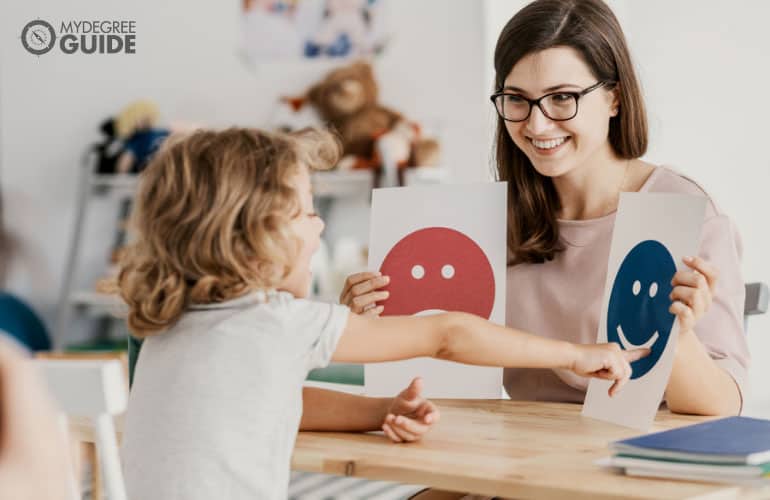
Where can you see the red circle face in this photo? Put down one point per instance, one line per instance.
(438, 269)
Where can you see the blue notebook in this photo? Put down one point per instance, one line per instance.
(732, 440)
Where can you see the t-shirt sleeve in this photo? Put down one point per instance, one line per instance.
(721, 328)
(315, 328)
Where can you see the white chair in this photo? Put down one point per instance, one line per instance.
(94, 390)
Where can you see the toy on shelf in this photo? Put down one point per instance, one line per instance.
(373, 136)
(129, 139)
(136, 125)
(109, 150)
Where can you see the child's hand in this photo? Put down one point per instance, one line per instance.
(410, 415)
(607, 361)
(360, 292)
(693, 291)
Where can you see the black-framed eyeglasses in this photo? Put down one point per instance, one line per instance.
(558, 106)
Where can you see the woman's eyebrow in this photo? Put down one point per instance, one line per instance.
(547, 90)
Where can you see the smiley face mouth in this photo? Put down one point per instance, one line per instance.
(429, 312)
(629, 346)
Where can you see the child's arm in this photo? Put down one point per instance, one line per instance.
(466, 338)
(404, 418)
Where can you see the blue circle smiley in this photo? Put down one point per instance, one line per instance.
(638, 314)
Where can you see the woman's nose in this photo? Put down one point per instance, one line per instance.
(537, 123)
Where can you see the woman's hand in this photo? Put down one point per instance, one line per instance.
(361, 292)
(693, 291)
(410, 415)
(606, 361)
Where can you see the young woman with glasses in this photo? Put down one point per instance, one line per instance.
(572, 127)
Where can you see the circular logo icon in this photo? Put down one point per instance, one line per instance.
(638, 315)
(438, 269)
(38, 37)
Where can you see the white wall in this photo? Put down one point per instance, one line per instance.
(704, 73)
(186, 61)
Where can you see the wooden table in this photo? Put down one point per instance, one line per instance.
(506, 448)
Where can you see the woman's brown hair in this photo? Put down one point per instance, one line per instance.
(590, 28)
(211, 220)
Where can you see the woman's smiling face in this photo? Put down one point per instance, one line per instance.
(556, 148)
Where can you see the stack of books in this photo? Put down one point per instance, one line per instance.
(732, 450)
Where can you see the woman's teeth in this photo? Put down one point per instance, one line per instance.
(549, 144)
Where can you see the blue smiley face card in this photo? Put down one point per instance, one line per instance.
(653, 232)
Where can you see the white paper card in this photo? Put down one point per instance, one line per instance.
(653, 232)
(444, 248)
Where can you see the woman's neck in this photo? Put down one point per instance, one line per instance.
(592, 189)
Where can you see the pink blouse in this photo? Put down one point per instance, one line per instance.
(562, 298)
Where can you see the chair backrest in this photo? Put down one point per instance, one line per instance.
(95, 390)
(756, 301)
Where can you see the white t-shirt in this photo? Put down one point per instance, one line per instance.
(217, 399)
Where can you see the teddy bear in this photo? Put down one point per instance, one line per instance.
(372, 135)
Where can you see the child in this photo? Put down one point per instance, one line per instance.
(216, 283)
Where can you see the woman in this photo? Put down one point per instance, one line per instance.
(571, 129)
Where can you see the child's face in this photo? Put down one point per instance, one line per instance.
(308, 227)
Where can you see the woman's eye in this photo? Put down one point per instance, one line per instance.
(514, 99)
(561, 97)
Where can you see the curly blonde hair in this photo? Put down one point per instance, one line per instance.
(211, 220)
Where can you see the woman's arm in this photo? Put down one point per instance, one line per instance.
(466, 338)
(697, 384)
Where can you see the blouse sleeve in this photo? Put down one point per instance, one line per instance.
(721, 328)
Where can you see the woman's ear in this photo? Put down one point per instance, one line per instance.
(615, 102)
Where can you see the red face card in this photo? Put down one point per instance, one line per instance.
(438, 269)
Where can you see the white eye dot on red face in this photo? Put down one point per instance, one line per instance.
(448, 271)
(637, 287)
(653, 290)
(418, 272)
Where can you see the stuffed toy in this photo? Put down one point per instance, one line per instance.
(109, 150)
(136, 127)
(373, 136)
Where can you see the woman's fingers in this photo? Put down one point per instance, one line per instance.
(369, 285)
(705, 268)
(360, 294)
(355, 279)
(374, 311)
(364, 302)
(692, 298)
(684, 314)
